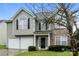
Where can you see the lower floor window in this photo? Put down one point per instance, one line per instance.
(61, 40)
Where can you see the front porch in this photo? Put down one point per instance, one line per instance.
(42, 40)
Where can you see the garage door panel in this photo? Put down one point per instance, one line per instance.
(26, 42)
(13, 43)
(22, 43)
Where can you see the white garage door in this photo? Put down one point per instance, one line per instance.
(13, 43)
(26, 42)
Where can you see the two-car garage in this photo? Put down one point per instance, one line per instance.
(20, 42)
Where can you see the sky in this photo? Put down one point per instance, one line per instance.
(7, 10)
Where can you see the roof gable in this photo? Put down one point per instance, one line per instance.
(22, 10)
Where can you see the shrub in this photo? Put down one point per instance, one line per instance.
(50, 48)
(32, 48)
(78, 48)
(58, 48)
(77, 44)
(54, 48)
(68, 48)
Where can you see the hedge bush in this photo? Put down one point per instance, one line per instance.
(58, 48)
(78, 48)
(31, 48)
(77, 44)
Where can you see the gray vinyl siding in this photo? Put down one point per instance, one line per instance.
(9, 31)
(23, 32)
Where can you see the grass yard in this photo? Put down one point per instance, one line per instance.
(45, 53)
(3, 46)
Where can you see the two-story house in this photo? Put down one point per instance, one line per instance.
(24, 31)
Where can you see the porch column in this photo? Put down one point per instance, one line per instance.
(48, 39)
(39, 43)
(34, 42)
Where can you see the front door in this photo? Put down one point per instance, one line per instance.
(42, 42)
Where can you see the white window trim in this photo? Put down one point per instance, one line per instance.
(21, 22)
(64, 39)
(56, 39)
(60, 38)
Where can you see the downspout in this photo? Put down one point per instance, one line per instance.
(7, 38)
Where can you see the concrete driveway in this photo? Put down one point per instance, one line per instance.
(10, 52)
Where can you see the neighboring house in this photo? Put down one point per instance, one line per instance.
(3, 32)
(24, 31)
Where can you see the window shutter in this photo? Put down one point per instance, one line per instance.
(17, 24)
(28, 23)
(46, 26)
(39, 26)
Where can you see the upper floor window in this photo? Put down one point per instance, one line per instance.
(58, 26)
(41, 26)
(28, 23)
(22, 23)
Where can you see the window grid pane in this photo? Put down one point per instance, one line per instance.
(61, 40)
(22, 24)
(57, 38)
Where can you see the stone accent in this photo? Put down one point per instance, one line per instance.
(58, 32)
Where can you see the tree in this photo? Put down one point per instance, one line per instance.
(68, 19)
(63, 14)
(76, 34)
(41, 10)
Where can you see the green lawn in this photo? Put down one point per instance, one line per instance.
(3, 46)
(45, 53)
